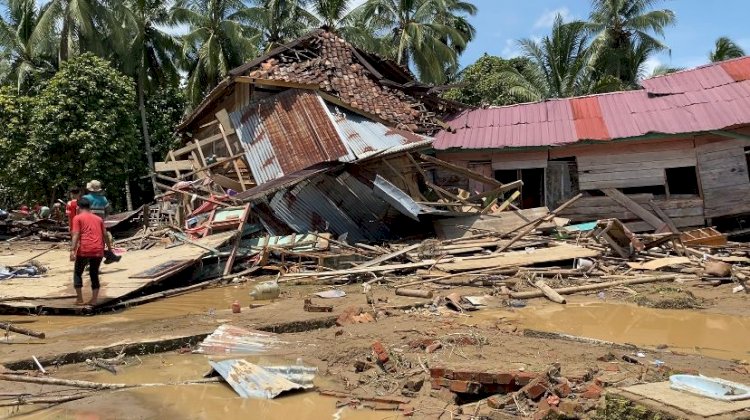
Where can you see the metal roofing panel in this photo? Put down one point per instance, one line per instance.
(703, 99)
(252, 381)
(228, 339)
(285, 133)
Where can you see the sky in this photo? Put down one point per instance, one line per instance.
(500, 23)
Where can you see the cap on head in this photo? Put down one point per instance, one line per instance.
(94, 186)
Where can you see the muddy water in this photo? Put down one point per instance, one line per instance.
(689, 331)
(192, 401)
(199, 302)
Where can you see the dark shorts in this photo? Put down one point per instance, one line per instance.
(80, 265)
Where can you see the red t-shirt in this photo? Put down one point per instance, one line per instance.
(71, 209)
(91, 228)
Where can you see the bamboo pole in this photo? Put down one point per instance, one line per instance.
(8, 327)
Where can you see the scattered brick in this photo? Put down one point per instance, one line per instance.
(497, 401)
(463, 375)
(592, 392)
(563, 389)
(432, 348)
(504, 378)
(535, 391)
(438, 383)
(523, 378)
(437, 372)
(380, 352)
(464, 387)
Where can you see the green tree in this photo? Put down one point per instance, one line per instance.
(430, 34)
(27, 57)
(15, 116)
(218, 40)
(82, 128)
(80, 26)
(562, 58)
(725, 49)
(496, 81)
(619, 28)
(148, 56)
(279, 21)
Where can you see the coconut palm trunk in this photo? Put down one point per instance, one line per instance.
(144, 128)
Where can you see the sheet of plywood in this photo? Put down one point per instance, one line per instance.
(56, 287)
(504, 222)
(694, 404)
(518, 259)
(659, 263)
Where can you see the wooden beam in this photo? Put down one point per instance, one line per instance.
(463, 171)
(497, 191)
(634, 207)
(443, 191)
(189, 148)
(230, 151)
(659, 212)
(407, 183)
(217, 163)
(226, 182)
(171, 166)
(508, 202)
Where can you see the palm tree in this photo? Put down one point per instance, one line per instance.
(25, 56)
(562, 58)
(279, 21)
(218, 40)
(332, 13)
(725, 49)
(81, 25)
(620, 26)
(147, 54)
(429, 34)
(663, 69)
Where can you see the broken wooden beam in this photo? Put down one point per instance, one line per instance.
(592, 287)
(8, 327)
(549, 292)
(634, 207)
(535, 223)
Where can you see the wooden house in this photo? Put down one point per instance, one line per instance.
(676, 149)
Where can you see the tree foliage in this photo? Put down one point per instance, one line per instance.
(725, 49)
(82, 128)
(15, 115)
(496, 81)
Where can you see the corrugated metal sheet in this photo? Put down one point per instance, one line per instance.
(252, 381)
(285, 181)
(295, 242)
(707, 98)
(228, 339)
(365, 137)
(286, 133)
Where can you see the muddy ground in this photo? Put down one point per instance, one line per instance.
(707, 336)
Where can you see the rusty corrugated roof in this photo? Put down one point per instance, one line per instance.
(228, 339)
(253, 381)
(711, 97)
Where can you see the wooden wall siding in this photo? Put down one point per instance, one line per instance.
(500, 160)
(685, 211)
(637, 165)
(484, 168)
(723, 172)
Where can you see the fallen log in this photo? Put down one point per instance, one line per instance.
(591, 287)
(549, 292)
(8, 327)
(425, 294)
(43, 400)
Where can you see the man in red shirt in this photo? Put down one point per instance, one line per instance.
(71, 209)
(87, 249)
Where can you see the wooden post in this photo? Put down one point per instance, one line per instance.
(549, 292)
(533, 224)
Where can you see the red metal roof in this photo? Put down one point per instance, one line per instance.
(711, 97)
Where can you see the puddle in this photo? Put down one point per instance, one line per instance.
(199, 302)
(191, 401)
(688, 331)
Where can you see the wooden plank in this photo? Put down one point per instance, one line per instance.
(192, 146)
(179, 165)
(507, 202)
(590, 177)
(499, 223)
(227, 182)
(386, 257)
(623, 183)
(518, 259)
(463, 171)
(636, 208)
(663, 216)
(680, 222)
(681, 157)
(230, 152)
(658, 263)
(497, 191)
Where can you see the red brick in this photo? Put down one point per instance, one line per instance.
(438, 383)
(437, 372)
(523, 378)
(536, 390)
(563, 389)
(406, 410)
(464, 387)
(593, 392)
(504, 378)
(380, 352)
(611, 367)
(486, 378)
(464, 375)
(497, 401)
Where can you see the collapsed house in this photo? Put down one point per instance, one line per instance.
(676, 151)
(318, 135)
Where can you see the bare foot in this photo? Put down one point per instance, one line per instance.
(92, 302)
(79, 303)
